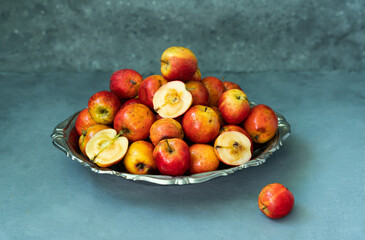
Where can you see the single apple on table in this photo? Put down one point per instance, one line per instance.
(139, 158)
(201, 124)
(234, 106)
(178, 63)
(84, 121)
(172, 156)
(275, 200)
(172, 99)
(233, 148)
(165, 128)
(199, 93)
(88, 134)
(231, 85)
(134, 121)
(103, 106)
(261, 123)
(106, 148)
(125, 83)
(215, 88)
(203, 158)
(148, 88)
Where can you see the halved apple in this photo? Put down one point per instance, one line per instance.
(172, 99)
(233, 148)
(106, 148)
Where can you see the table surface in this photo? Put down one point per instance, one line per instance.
(45, 195)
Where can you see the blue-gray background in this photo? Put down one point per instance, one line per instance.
(305, 59)
(226, 36)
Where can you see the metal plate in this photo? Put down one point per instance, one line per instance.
(66, 139)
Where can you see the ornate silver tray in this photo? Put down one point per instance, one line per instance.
(66, 139)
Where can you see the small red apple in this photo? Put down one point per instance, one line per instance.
(199, 93)
(165, 128)
(203, 158)
(215, 88)
(261, 123)
(178, 63)
(148, 88)
(172, 156)
(275, 200)
(201, 124)
(125, 83)
(135, 121)
(131, 101)
(234, 106)
(103, 106)
(231, 85)
(84, 121)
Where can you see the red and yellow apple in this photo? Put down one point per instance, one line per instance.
(103, 106)
(165, 128)
(203, 158)
(234, 106)
(178, 63)
(84, 121)
(231, 85)
(139, 158)
(131, 101)
(199, 93)
(148, 88)
(275, 200)
(261, 123)
(134, 121)
(125, 83)
(201, 124)
(197, 75)
(90, 132)
(215, 88)
(172, 156)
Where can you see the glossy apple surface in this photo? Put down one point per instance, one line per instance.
(178, 63)
(199, 93)
(125, 83)
(231, 85)
(275, 200)
(215, 88)
(135, 121)
(84, 121)
(165, 128)
(203, 159)
(261, 123)
(234, 106)
(172, 156)
(201, 124)
(139, 158)
(148, 88)
(103, 106)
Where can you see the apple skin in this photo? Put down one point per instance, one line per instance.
(178, 63)
(215, 88)
(203, 159)
(91, 131)
(261, 123)
(131, 101)
(199, 92)
(139, 158)
(197, 76)
(234, 106)
(231, 85)
(275, 201)
(84, 121)
(165, 128)
(201, 124)
(103, 106)
(125, 83)
(221, 121)
(135, 121)
(148, 88)
(238, 129)
(172, 156)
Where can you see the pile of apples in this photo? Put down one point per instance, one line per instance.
(175, 123)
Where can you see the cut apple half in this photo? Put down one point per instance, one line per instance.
(106, 148)
(233, 148)
(172, 99)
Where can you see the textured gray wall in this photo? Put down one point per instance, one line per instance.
(238, 36)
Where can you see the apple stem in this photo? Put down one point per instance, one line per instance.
(222, 79)
(168, 146)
